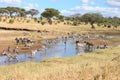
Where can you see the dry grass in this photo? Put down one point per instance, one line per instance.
(91, 66)
(97, 65)
(58, 27)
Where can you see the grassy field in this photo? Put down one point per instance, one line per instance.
(98, 65)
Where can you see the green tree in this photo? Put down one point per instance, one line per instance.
(3, 11)
(20, 12)
(11, 10)
(92, 18)
(33, 12)
(115, 22)
(60, 17)
(50, 13)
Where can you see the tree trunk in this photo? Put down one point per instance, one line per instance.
(50, 21)
(92, 26)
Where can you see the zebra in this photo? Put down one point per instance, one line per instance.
(81, 44)
(28, 44)
(89, 46)
(33, 52)
(77, 41)
(11, 55)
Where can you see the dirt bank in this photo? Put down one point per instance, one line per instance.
(7, 38)
(26, 50)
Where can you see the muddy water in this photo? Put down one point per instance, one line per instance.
(52, 51)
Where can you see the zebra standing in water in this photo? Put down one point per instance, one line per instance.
(11, 54)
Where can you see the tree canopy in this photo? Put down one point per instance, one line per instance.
(33, 12)
(92, 18)
(75, 19)
(50, 13)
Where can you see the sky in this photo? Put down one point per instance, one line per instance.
(108, 8)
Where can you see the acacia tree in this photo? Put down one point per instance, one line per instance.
(12, 10)
(3, 11)
(60, 17)
(33, 12)
(108, 22)
(91, 18)
(50, 13)
(115, 22)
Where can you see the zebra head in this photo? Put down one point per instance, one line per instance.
(4, 53)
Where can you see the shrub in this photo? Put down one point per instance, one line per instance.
(64, 23)
(11, 21)
(35, 19)
(38, 21)
(74, 23)
(105, 25)
(43, 23)
(58, 21)
(68, 23)
(4, 20)
(28, 21)
(109, 26)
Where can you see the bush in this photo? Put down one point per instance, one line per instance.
(58, 21)
(75, 23)
(68, 23)
(64, 23)
(28, 21)
(38, 21)
(109, 26)
(43, 23)
(11, 16)
(4, 20)
(105, 25)
(11, 21)
(35, 19)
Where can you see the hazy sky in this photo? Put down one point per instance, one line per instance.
(69, 7)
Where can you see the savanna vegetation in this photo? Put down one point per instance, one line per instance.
(97, 65)
(52, 14)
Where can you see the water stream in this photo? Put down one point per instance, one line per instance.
(57, 50)
(52, 51)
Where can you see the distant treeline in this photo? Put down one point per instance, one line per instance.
(51, 13)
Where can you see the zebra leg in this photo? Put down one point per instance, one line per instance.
(8, 59)
(16, 59)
